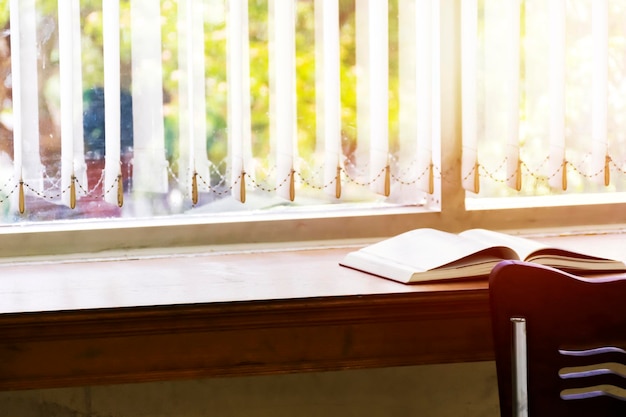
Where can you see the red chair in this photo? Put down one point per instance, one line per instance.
(560, 342)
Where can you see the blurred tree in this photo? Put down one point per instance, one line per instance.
(216, 76)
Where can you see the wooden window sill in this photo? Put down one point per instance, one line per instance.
(103, 322)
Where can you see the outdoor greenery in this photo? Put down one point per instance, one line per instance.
(215, 61)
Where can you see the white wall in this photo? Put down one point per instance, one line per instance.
(454, 390)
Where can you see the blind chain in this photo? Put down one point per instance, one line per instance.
(539, 177)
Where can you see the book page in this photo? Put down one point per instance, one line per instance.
(522, 246)
(533, 251)
(425, 249)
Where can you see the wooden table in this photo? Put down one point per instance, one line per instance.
(199, 315)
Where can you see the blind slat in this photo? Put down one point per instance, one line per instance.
(372, 61)
(469, 50)
(112, 114)
(407, 97)
(239, 129)
(197, 92)
(283, 94)
(424, 77)
(600, 41)
(328, 90)
(512, 147)
(70, 68)
(185, 143)
(149, 163)
(378, 33)
(436, 170)
(26, 158)
(558, 178)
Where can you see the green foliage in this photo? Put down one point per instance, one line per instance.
(216, 72)
(4, 12)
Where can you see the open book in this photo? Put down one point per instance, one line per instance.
(430, 254)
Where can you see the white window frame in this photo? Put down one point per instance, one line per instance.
(313, 228)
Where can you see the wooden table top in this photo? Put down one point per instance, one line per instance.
(193, 279)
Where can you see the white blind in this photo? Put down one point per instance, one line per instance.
(542, 102)
(113, 185)
(426, 83)
(149, 159)
(469, 95)
(328, 86)
(27, 165)
(512, 57)
(359, 58)
(558, 158)
(599, 85)
(239, 128)
(373, 78)
(194, 167)
(73, 166)
(283, 111)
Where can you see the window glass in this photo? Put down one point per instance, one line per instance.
(550, 83)
(179, 136)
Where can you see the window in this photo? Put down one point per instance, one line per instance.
(296, 120)
(548, 96)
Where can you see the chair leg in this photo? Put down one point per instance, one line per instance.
(520, 368)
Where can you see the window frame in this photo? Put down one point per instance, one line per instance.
(447, 209)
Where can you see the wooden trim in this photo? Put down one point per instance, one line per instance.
(261, 337)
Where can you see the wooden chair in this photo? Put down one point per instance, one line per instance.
(560, 342)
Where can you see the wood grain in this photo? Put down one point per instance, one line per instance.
(102, 322)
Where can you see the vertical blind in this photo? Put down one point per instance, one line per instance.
(73, 167)
(543, 95)
(27, 167)
(394, 60)
(309, 101)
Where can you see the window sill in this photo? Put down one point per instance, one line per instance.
(200, 315)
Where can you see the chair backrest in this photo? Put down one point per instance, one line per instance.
(560, 342)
